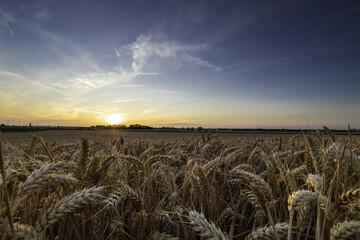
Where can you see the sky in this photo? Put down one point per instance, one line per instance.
(233, 64)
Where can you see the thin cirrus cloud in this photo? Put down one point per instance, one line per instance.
(9, 74)
(5, 19)
(92, 77)
(75, 73)
(137, 53)
(198, 61)
(210, 62)
(144, 48)
(43, 14)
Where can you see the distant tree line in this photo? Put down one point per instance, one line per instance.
(121, 126)
(30, 127)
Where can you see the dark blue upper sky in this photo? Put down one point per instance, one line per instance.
(210, 63)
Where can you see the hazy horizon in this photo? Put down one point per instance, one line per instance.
(231, 64)
(175, 125)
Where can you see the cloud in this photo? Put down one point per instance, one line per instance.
(164, 91)
(45, 86)
(123, 100)
(145, 48)
(118, 54)
(9, 74)
(127, 85)
(76, 70)
(188, 99)
(5, 19)
(65, 49)
(94, 80)
(200, 62)
(249, 65)
(43, 14)
(71, 81)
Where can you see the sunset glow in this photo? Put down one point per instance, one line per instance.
(180, 63)
(114, 119)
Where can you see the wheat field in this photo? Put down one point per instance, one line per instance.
(303, 186)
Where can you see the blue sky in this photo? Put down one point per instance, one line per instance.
(181, 63)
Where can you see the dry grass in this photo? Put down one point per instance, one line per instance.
(201, 187)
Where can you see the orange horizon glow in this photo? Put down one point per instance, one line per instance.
(176, 121)
(114, 119)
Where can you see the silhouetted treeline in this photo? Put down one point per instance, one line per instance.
(121, 126)
(27, 128)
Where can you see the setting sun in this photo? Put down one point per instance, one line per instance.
(114, 119)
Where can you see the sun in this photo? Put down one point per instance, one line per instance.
(114, 119)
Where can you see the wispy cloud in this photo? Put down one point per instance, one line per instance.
(73, 62)
(5, 19)
(249, 65)
(9, 74)
(73, 80)
(167, 91)
(145, 48)
(129, 85)
(95, 80)
(124, 100)
(199, 62)
(44, 86)
(77, 70)
(85, 82)
(43, 14)
(188, 99)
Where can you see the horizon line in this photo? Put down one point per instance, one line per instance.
(149, 127)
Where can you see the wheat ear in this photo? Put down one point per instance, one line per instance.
(66, 205)
(344, 230)
(297, 201)
(267, 232)
(204, 227)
